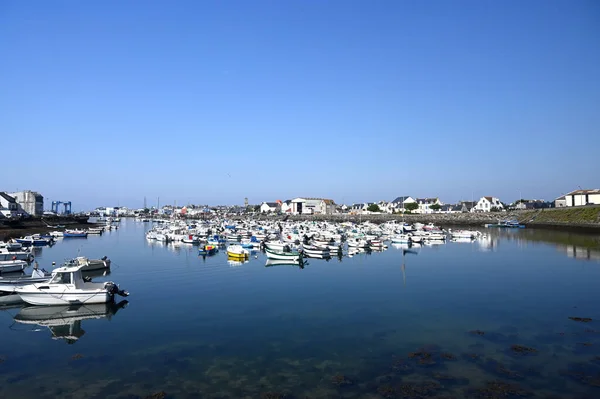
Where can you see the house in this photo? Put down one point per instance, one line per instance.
(310, 206)
(486, 204)
(267, 207)
(531, 204)
(426, 203)
(8, 205)
(449, 208)
(399, 203)
(583, 197)
(29, 202)
(467, 206)
(386, 207)
(560, 202)
(286, 206)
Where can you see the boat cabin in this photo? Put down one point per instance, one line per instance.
(67, 275)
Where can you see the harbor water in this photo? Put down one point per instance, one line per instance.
(502, 316)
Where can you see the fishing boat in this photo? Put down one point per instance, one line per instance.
(75, 234)
(95, 230)
(236, 251)
(190, 239)
(207, 250)
(10, 246)
(285, 254)
(66, 286)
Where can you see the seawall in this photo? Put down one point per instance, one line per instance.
(21, 227)
(582, 219)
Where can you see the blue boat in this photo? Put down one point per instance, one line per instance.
(511, 224)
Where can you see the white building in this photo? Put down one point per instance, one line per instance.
(29, 202)
(267, 207)
(399, 203)
(8, 205)
(286, 206)
(560, 202)
(583, 197)
(426, 203)
(485, 204)
(312, 206)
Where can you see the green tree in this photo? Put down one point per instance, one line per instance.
(411, 206)
(435, 207)
(373, 208)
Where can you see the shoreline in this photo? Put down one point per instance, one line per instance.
(20, 228)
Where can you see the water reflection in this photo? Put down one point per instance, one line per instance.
(64, 322)
(581, 253)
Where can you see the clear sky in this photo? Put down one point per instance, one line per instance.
(108, 102)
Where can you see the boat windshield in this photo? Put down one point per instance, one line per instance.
(61, 278)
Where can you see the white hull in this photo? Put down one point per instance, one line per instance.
(9, 266)
(291, 256)
(71, 297)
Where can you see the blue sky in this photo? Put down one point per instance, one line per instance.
(108, 102)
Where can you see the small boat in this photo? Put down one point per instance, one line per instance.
(95, 230)
(35, 240)
(401, 239)
(512, 224)
(16, 255)
(10, 246)
(12, 265)
(463, 233)
(236, 251)
(313, 251)
(66, 286)
(285, 254)
(75, 234)
(190, 239)
(207, 250)
(88, 264)
(9, 284)
(56, 234)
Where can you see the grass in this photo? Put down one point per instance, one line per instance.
(583, 215)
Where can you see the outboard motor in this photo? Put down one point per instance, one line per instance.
(114, 289)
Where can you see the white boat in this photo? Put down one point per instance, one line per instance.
(10, 246)
(358, 243)
(56, 234)
(401, 239)
(9, 284)
(15, 255)
(95, 230)
(293, 256)
(12, 265)
(67, 286)
(464, 233)
(315, 251)
(88, 264)
(237, 252)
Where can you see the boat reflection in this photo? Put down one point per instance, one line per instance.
(236, 262)
(284, 262)
(64, 322)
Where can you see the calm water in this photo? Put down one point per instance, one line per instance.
(198, 327)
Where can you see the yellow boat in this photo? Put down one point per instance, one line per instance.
(236, 252)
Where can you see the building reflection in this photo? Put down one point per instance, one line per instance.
(581, 253)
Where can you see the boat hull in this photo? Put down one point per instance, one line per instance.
(47, 299)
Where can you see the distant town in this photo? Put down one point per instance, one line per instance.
(29, 203)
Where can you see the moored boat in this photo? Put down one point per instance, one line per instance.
(236, 251)
(66, 286)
